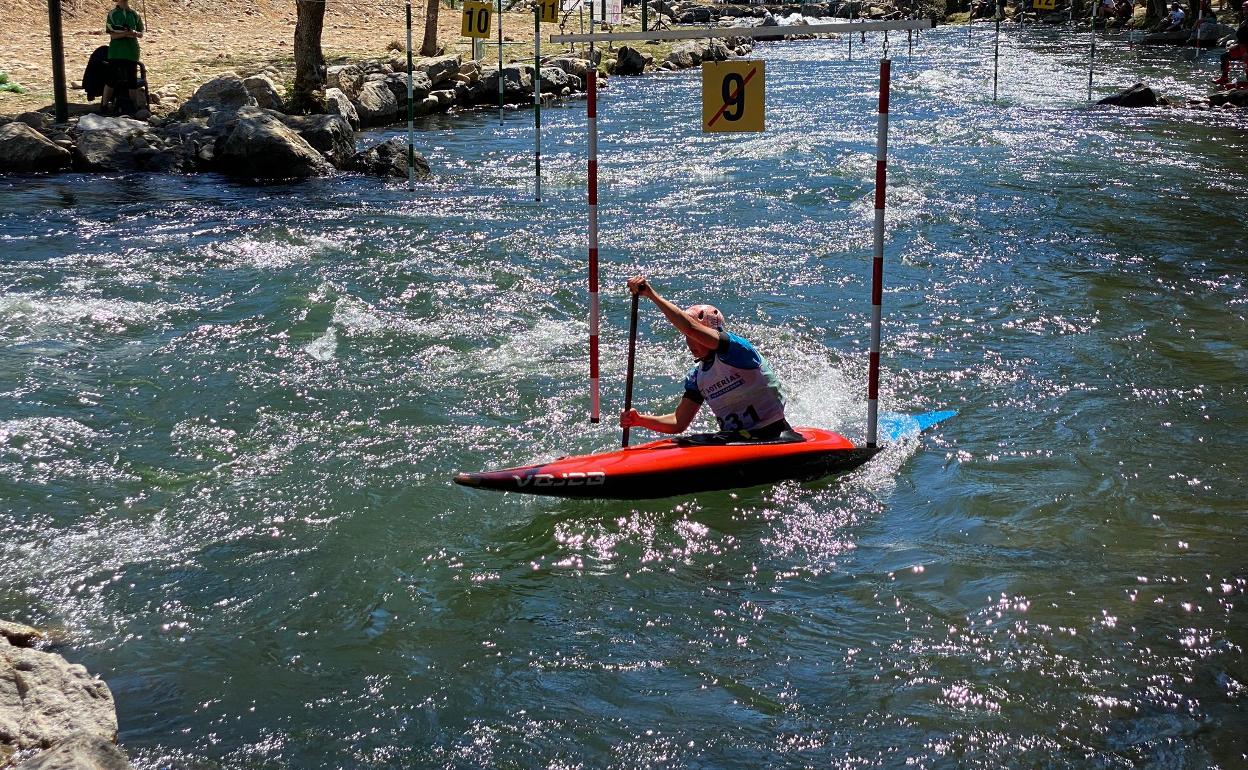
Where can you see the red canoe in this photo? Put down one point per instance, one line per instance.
(679, 466)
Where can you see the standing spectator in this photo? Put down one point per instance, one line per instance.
(1238, 49)
(124, 28)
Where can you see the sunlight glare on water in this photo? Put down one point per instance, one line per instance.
(229, 416)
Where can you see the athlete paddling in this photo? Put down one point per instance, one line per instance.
(731, 376)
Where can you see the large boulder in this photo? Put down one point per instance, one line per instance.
(82, 751)
(224, 93)
(554, 80)
(330, 135)
(44, 700)
(439, 69)
(687, 54)
(630, 61)
(573, 66)
(517, 81)
(264, 91)
(262, 147)
(376, 104)
(389, 159)
(338, 103)
(1234, 98)
(23, 149)
(348, 78)
(698, 14)
(421, 86)
(1138, 95)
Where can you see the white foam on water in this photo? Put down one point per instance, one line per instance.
(323, 348)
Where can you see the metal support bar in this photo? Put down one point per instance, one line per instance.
(750, 32)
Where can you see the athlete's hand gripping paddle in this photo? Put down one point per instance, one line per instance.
(632, 355)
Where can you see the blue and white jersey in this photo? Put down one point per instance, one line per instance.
(739, 385)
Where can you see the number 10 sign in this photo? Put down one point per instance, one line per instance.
(732, 96)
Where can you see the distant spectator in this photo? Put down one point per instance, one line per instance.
(124, 28)
(1238, 49)
(1174, 20)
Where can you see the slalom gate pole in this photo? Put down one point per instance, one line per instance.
(537, 103)
(411, 109)
(632, 357)
(591, 108)
(909, 44)
(500, 62)
(996, 56)
(877, 261)
(1092, 50)
(851, 44)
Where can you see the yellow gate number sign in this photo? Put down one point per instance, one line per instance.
(549, 10)
(476, 19)
(732, 96)
(1044, 5)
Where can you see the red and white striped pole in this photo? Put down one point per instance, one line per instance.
(877, 262)
(591, 107)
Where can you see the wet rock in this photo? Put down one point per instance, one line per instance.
(1138, 95)
(687, 54)
(572, 66)
(388, 159)
(698, 14)
(1235, 98)
(262, 147)
(264, 91)
(23, 149)
(555, 80)
(330, 135)
(20, 635)
(44, 700)
(630, 61)
(82, 751)
(421, 86)
(338, 103)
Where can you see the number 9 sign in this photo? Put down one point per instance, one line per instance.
(732, 96)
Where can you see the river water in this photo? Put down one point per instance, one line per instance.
(229, 416)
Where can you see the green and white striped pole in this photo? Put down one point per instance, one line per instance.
(537, 102)
(411, 108)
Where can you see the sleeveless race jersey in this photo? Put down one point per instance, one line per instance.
(738, 384)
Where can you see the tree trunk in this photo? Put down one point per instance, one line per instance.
(309, 84)
(429, 47)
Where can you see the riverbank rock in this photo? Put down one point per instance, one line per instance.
(439, 69)
(388, 159)
(376, 104)
(1235, 98)
(224, 93)
(45, 700)
(1138, 95)
(23, 149)
(80, 752)
(630, 61)
(259, 146)
(330, 135)
(517, 81)
(264, 91)
(338, 103)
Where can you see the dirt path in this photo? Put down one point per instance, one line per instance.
(189, 41)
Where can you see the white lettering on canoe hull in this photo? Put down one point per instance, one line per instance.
(589, 479)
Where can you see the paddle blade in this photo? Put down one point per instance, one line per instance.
(895, 427)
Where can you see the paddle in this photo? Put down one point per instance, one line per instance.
(632, 355)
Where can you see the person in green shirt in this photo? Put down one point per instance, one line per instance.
(124, 28)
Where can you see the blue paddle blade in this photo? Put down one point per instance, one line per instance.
(894, 426)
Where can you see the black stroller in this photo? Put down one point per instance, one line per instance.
(95, 77)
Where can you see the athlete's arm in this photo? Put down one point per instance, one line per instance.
(702, 335)
(676, 422)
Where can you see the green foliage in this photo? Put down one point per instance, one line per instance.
(8, 85)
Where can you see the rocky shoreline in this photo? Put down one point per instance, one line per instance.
(236, 126)
(54, 715)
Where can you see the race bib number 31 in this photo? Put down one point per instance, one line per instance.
(732, 96)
